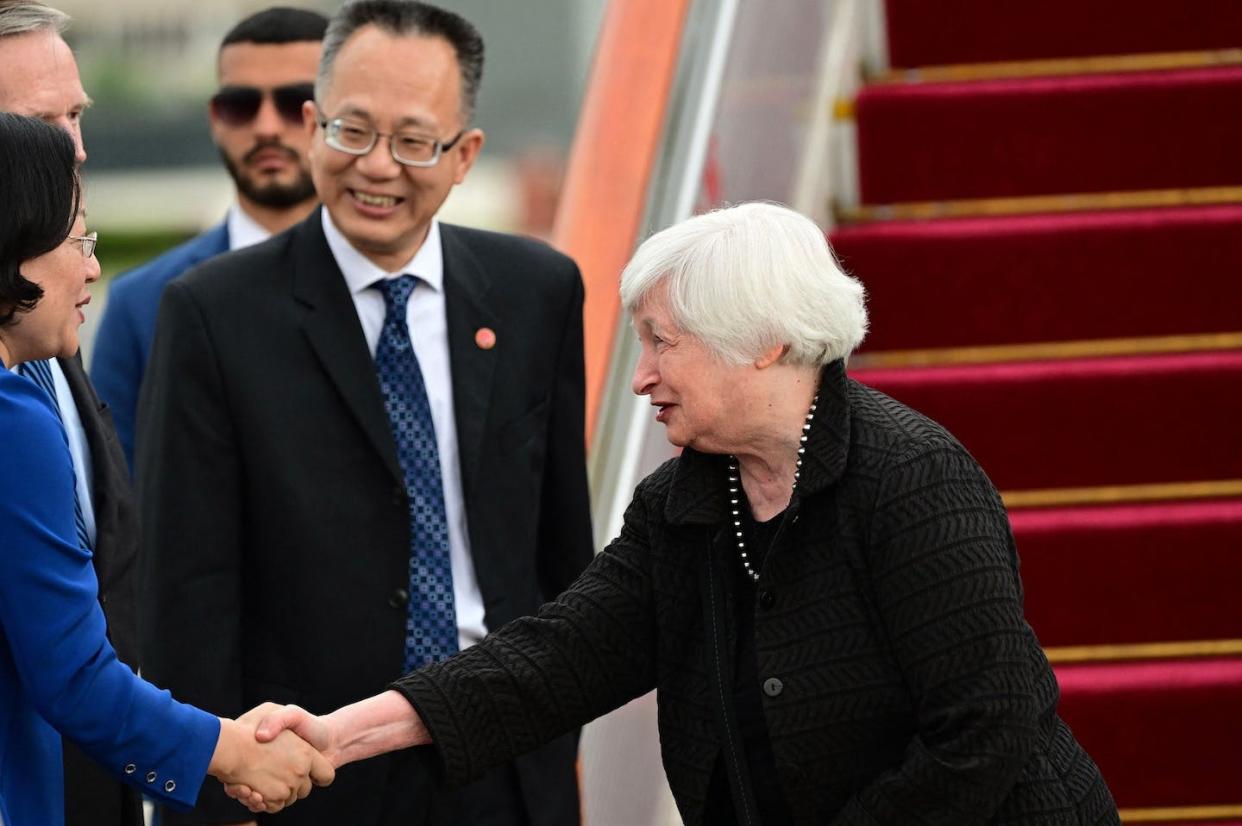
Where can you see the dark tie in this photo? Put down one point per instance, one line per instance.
(431, 626)
(40, 372)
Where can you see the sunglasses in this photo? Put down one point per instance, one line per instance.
(238, 105)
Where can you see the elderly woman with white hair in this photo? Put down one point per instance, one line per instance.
(822, 588)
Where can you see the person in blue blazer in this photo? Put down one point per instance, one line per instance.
(128, 327)
(58, 671)
(266, 69)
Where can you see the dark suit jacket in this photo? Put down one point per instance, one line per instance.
(92, 796)
(273, 503)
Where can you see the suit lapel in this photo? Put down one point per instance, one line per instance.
(336, 336)
(89, 407)
(466, 288)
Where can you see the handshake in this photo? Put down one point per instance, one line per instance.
(270, 757)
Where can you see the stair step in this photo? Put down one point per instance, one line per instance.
(1038, 204)
(1164, 734)
(1061, 66)
(1184, 816)
(1132, 573)
(933, 32)
(1039, 278)
(1086, 422)
(1039, 136)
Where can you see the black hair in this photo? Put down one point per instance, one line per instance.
(277, 25)
(403, 17)
(41, 192)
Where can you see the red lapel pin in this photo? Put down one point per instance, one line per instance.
(485, 337)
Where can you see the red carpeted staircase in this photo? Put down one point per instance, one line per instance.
(1050, 277)
(1051, 238)
(1034, 136)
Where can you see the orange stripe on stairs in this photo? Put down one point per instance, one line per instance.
(1057, 497)
(1047, 350)
(1062, 655)
(1030, 204)
(1180, 814)
(1059, 67)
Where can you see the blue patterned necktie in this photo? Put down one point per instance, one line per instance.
(40, 372)
(431, 625)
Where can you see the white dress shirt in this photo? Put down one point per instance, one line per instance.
(244, 231)
(428, 325)
(79, 449)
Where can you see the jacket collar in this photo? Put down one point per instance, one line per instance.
(698, 492)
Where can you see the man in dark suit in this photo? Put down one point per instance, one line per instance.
(361, 442)
(266, 69)
(39, 78)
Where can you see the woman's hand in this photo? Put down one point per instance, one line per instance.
(317, 731)
(376, 725)
(273, 774)
(274, 722)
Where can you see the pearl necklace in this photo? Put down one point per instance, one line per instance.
(735, 478)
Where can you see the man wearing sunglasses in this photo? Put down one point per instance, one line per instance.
(266, 68)
(363, 441)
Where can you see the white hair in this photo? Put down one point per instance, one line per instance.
(22, 17)
(749, 277)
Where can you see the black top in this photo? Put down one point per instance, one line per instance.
(748, 703)
(909, 688)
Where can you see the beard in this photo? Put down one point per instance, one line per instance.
(274, 195)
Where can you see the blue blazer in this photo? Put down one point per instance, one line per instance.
(128, 327)
(58, 672)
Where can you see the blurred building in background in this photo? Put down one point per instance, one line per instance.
(154, 176)
(150, 67)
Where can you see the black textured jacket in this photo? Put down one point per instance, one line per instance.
(901, 682)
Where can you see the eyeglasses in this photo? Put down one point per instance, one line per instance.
(86, 243)
(408, 148)
(239, 105)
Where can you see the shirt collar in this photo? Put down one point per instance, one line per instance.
(244, 231)
(360, 272)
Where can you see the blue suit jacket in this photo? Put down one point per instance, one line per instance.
(58, 672)
(128, 327)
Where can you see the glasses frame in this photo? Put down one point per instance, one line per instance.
(293, 116)
(86, 243)
(329, 125)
